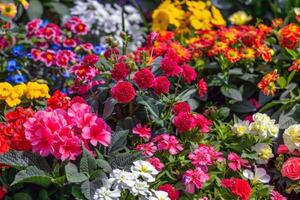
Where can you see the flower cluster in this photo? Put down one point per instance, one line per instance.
(60, 132)
(32, 90)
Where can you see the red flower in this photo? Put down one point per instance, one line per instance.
(172, 193)
(232, 55)
(170, 67)
(4, 146)
(144, 78)
(238, 187)
(123, 92)
(120, 71)
(80, 29)
(291, 168)
(181, 107)
(48, 57)
(58, 100)
(161, 85)
(202, 86)
(90, 59)
(282, 149)
(3, 191)
(184, 122)
(188, 73)
(203, 123)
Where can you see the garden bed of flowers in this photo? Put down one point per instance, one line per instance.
(173, 102)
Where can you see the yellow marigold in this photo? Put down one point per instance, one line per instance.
(5, 90)
(217, 19)
(24, 3)
(8, 9)
(201, 20)
(36, 90)
(240, 18)
(167, 13)
(195, 6)
(20, 89)
(12, 102)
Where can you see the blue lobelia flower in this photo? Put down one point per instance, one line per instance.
(16, 78)
(18, 51)
(99, 49)
(11, 65)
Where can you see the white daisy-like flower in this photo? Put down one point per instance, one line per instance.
(264, 152)
(159, 195)
(259, 174)
(140, 188)
(123, 178)
(241, 128)
(145, 170)
(291, 137)
(106, 192)
(264, 126)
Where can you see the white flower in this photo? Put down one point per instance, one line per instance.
(264, 152)
(291, 137)
(258, 175)
(159, 195)
(106, 193)
(264, 126)
(144, 169)
(140, 188)
(123, 178)
(241, 128)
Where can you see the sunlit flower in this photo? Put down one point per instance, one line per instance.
(240, 18)
(264, 152)
(291, 137)
(8, 9)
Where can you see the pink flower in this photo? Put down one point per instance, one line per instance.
(156, 163)
(48, 57)
(81, 114)
(194, 178)
(274, 195)
(148, 149)
(181, 107)
(169, 143)
(236, 162)
(202, 86)
(188, 73)
(170, 67)
(184, 122)
(120, 71)
(97, 132)
(161, 85)
(142, 131)
(205, 155)
(203, 123)
(144, 78)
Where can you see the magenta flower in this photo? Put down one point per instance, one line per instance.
(142, 131)
(205, 155)
(169, 143)
(236, 162)
(194, 179)
(148, 149)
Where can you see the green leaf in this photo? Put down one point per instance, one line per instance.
(124, 160)
(87, 162)
(59, 8)
(118, 141)
(243, 107)
(32, 175)
(24, 159)
(109, 106)
(152, 105)
(103, 164)
(43, 195)
(186, 94)
(156, 64)
(35, 10)
(281, 82)
(88, 188)
(22, 196)
(76, 192)
(292, 53)
(73, 176)
(232, 93)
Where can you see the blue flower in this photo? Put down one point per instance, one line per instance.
(17, 78)
(11, 65)
(55, 47)
(29, 56)
(53, 77)
(66, 74)
(18, 51)
(99, 49)
(44, 23)
(65, 90)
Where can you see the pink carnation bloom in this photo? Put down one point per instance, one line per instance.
(205, 155)
(236, 162)
(184, 122)
(274, 195)
(194, 178)
(156, 163)
(169, 143)
(203, 123)
(142, 131)
(148, 149)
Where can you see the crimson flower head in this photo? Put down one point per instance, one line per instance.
(161, 85)
(180, 107)
(123, 92)
(90, 59)
(202, 86)
(120, 71)
(173, 194)
(144, 78)
(238, 187)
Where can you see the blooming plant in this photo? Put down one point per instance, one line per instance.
(200, 110)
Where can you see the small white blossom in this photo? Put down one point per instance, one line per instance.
(140, 188)
(106, 193)
(159, 195)
(241, 128)
(123, 178)
(144, 169)
(264, 152)
(291, 137)
(264, 126)
(259, 174)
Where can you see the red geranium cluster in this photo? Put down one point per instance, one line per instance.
(238, 187)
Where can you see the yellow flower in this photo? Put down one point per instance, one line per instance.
(195, 6)
(36, 90)
(200, 20)
(218, 19)
(5, 90)
(8, 9)
(240, 18)
(167, 13)
(20, 89)
(12, 102)
(24, 3)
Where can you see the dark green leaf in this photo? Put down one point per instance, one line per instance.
(243, 107)
(87, 162)
(118, 141)
(232, 93)
(73, 176)
(109, 106)
(22, 196)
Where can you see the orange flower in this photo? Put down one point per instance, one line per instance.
(8, 10)
(289, 36)
(232, 55)
(265, 53)
(229, 35)
(267, 83)
(295, 66)
(182, 52)
(248, 53)
(264, 28)
(276, 23)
